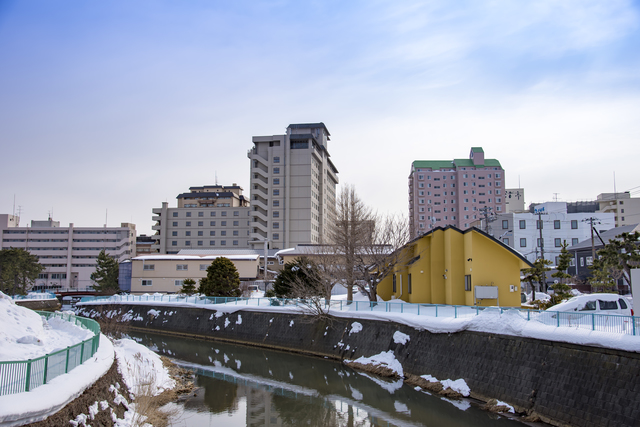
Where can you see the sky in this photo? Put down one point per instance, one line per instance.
(108, 109)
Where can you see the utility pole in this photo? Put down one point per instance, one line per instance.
(591, 222)
(485, 212)
(544, 278)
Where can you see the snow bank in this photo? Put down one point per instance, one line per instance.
(386, 359)
(400, 338)
(355, 328)
(46, 400)
(26, 335)
(459, 385)
(142, 369)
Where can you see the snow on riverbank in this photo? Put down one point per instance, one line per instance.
(24, 334)
(510, 322)
(142, 369)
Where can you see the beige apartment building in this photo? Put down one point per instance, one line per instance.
(293, 187)
(454, 192)
(626, 210)
(207, 217)
(68, 254)
(166, 273)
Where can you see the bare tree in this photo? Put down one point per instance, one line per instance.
(352, 229)
(385, 250)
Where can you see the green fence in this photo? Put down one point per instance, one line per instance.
(24, 375)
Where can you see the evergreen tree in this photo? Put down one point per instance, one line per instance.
(534, 274)
(188, 287)
(562, 291)
(299, 278)
(18, 271)
(619, 256)
(601, 280)
(222, 279)
(106, 274)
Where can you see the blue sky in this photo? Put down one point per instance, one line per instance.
(122, 105)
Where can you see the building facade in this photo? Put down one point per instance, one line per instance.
(450, 266)
(454, 192)
(522, 231)
(68, 254)
(293, 187)
(166, 273)
(625, 209)
(208, 217)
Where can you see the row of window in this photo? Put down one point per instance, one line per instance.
(540, 242)
(211, 233)
(557, 224)
(201, 214)
(211, 223)
(201, 243)
(473, 176)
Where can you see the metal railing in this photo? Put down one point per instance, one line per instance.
(25, 375)
(628, 325)
(37, 295)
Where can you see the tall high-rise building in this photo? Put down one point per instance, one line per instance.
(454, 192)
(293, 186)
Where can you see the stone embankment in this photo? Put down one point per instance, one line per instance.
(559, 383)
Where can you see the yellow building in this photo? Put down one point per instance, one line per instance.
(450, 266)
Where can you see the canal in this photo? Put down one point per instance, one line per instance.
(250, 386)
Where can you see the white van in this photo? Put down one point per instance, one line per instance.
(596, 303)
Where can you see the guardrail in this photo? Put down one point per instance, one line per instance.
(628, 325)
(39, 295)
(25, 375)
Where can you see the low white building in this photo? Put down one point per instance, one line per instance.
(68, 254)
(522, 231)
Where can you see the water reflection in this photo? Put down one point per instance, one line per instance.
(248, 386)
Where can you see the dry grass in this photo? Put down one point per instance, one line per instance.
(111, 324)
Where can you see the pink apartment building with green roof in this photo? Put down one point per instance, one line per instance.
(454, 192)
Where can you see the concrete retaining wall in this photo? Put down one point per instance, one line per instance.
(564, 384)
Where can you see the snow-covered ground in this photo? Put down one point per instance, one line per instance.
(24, 334)
(598, 331)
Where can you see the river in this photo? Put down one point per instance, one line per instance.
(250, 386)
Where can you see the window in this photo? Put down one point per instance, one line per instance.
(235, 243)
(236, 223)
(608, 305)
(523, 242)
(409, 282)
(505, 224)
(589, 260)
(212, 223)
(203, 267)
(276, 192)
(187, 243)
(276, 236)
(223, 242)
(540, 243)
(276, 214)
(213, 214)
(188, 214)
(276, 203)
(276, 170)
(212, 242)
(556, 224)
(276, 181)
(557, 242)
(224, 213)
(200, 233)
(174, 233)
(467, 282)
(523, 224)
(187, 233)
(147, 282)
(276, 225)
(276, 160)
(223, 233)
(574, 224)
(178, 282)
(175, 214)
(235, 232)
(506, 241)
(236, 213)
(149, 267)
(223, 223)
(394, 283)
(574, 241)
(539, 225)
(175, 223)
(212, 233)
(200, 214)
(200, 223)
(188, 224)
(182, 267)
(296, 145)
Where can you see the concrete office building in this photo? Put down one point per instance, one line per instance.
(521, 231)
(293, 186)
(68, 254)
(208, 217)
(454, 192)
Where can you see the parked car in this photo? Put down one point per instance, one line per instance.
(596, 303)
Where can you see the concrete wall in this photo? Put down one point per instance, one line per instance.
(563, 383)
